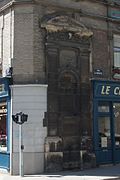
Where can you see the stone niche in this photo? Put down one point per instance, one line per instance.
(53, 154)
(54, 160)
(67, 49)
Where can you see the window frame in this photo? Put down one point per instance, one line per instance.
(116, 60)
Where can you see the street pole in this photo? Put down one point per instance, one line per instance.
(20, 118)
(21, 171)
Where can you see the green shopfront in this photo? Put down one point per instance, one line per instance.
(106, 118)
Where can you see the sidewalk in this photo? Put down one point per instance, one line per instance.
(101, 173)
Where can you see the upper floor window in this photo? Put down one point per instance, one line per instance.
(116, 63)
(116, 51)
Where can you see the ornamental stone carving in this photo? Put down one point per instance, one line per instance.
(64, 23)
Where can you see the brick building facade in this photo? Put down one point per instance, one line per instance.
(71, 48)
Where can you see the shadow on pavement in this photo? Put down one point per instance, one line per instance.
(107, 172)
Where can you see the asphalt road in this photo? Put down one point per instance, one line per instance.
(101, 173)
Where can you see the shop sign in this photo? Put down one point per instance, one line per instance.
(105, 89)
(115, 14)
(104, 142)
(98, 72)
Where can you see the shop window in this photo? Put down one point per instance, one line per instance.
(3, 125)
(103, 107)
(2, 88)
(116, 63)
(104, 132)
(116, 108)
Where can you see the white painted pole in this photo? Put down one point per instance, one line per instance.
(21, 172)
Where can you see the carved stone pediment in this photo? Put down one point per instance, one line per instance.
(66, 24)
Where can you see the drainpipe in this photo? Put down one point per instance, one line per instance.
(2, 28)
(110, 55)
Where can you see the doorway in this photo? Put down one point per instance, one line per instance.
(116, 111)
(107, 132)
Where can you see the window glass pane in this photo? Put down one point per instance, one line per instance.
(2, 88)
(104, 132)
(116, 50)
(117, 40)
(103, 107)
(3, 134)
(116, 107)
(116, 44)
(117, 59)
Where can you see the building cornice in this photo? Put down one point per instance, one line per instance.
(57, 3)
(15, 2)
(74, 4)
(65, 5)
(28, 85)
(74, 7)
